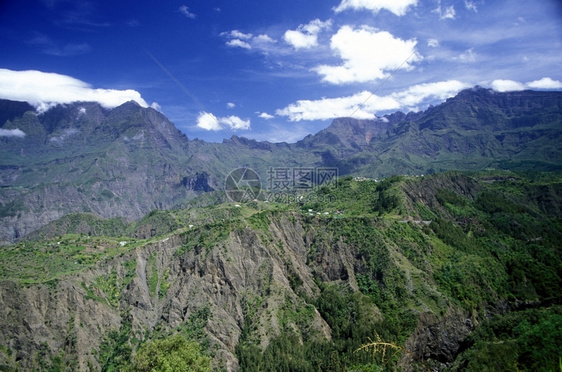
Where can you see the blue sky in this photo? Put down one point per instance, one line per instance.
(277, 70)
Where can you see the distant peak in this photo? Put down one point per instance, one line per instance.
(477, 89)
(130, 104)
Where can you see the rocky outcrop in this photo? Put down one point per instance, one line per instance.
(436, 341)
(44, 320)
(424, 191)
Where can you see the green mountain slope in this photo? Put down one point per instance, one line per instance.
(449, 271)
(477, 129)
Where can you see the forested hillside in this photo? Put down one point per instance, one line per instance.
(454, 271)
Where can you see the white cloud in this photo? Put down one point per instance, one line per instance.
(235, 34)
(449, 13)
(208, 121)
(234, 122)
(330, 108)
(545, 83)
(238, 39)
(230, 105)
(417, 94)
(12, 133)
(432, 43)
(263, 43)
(185, 11)
(300, 40)
(398, 7)
(367, 54)
(44, 90)
(470, 5)
(238, 43)
(365, 105)
(265, 115)
(306, 36)
(155, 106)
(264, 39)
(501, 85)
(468, 56)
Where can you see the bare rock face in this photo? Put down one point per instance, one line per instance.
(38, 320)
(162, 286)
(438, 339)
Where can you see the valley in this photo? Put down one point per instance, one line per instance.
(249, 281)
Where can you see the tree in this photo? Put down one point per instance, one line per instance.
(172, 354)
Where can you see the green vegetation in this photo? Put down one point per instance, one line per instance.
(173, 354)
(521, 340)
(117, 346)
(379, 253)
(352, 317)
(110, 287)
(84, 224)
(499, 243)
(159, 349)
(356, 198)
(42, 261)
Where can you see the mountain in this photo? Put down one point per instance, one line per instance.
(83, 158)
(452, 271)
(117, 233)
(130, 160)
(477, 129)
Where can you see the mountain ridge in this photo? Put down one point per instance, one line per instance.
(130, 160)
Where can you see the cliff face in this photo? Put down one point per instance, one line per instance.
(163, 286)
(238, 280)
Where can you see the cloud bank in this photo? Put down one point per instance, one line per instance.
(12, 133)
(208, 121)
(44, 90)
(501, 85)
(365, 105)
(398, 7)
